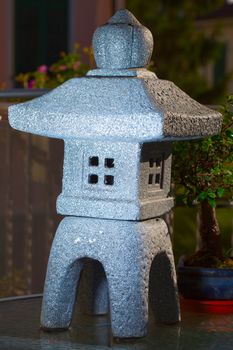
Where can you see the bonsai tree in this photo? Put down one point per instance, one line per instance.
(202, 173)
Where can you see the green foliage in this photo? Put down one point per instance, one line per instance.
(69, 65)
(204, 169)
(182, 50)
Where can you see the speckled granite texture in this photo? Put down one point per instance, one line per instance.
(117, 123)
(86, 108)
(122, 34)
(127, 250)
(133, 193)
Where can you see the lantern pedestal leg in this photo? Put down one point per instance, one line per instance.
(60, 292)
(128, 291)
(129, 253)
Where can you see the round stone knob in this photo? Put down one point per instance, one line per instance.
(122, 43)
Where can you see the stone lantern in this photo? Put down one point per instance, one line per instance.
(118, 123)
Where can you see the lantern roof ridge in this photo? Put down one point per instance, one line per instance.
(120, 100)
(116, 108)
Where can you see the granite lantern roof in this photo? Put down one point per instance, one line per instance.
(119, 100)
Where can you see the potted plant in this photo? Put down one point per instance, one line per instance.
(202, 173)
(69, 65)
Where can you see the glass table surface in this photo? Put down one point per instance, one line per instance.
(19, 329)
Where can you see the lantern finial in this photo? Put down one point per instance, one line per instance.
(122, 43)
(124, 17)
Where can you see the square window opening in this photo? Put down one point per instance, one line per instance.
(109, 163)
(150, 180)
(151, 162)
(109, 180)
(93, 161)
(93, 179)
(157, 179)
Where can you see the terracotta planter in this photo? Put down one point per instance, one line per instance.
(208, 306)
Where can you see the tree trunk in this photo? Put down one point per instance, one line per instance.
(209, 230)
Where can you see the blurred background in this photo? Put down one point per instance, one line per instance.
(38, 49)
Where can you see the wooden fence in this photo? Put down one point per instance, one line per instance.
(30, 180)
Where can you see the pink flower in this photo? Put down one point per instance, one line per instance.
(42, 69)
(76, 65)
(63, 67)
(31, 84)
